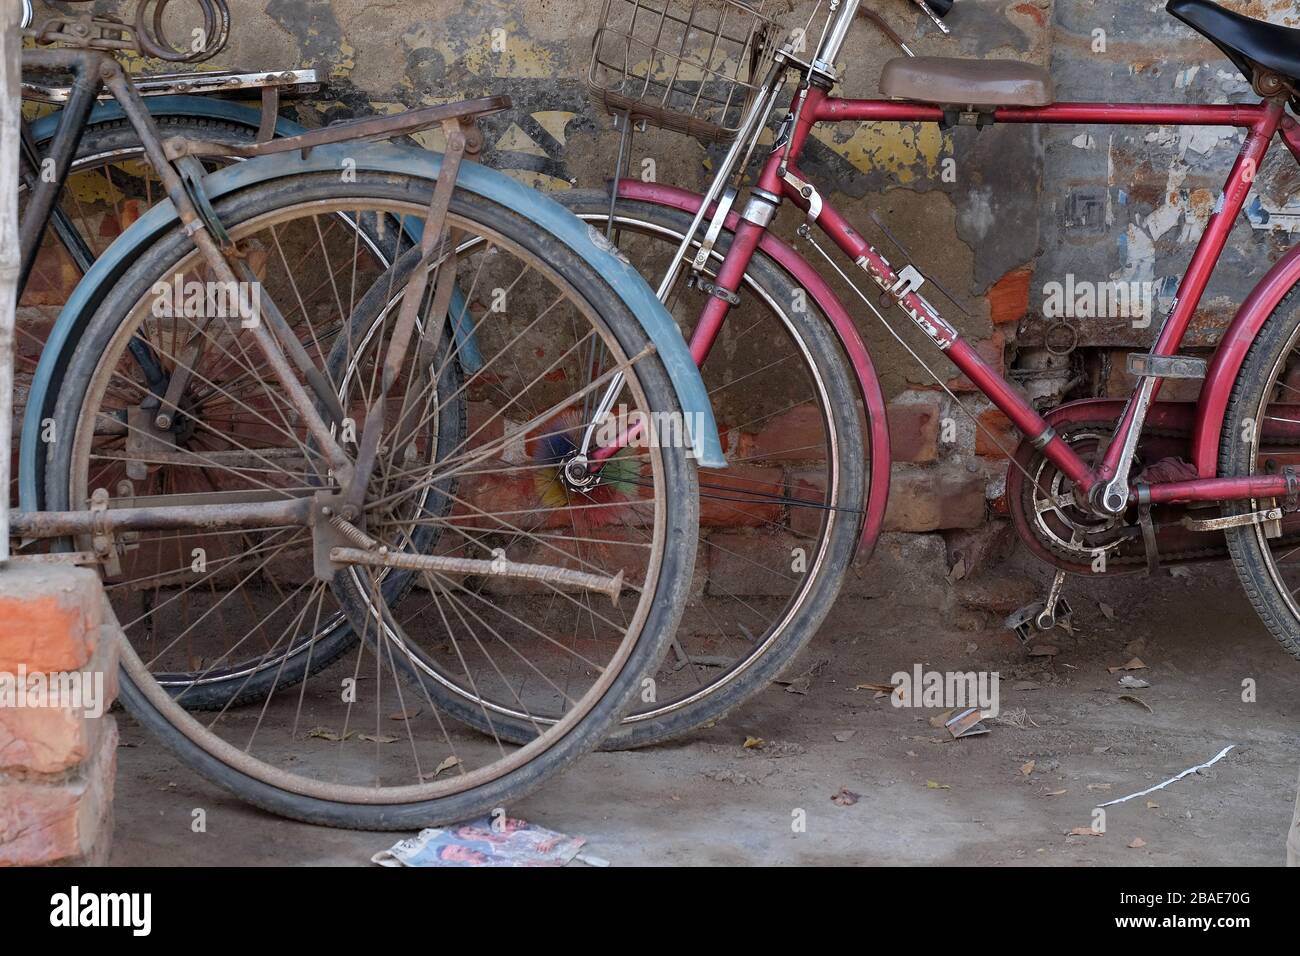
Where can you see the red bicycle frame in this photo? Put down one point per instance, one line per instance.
(780, 177)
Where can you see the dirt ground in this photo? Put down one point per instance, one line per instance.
(1007, 798)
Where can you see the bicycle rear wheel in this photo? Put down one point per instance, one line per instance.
(252, 609)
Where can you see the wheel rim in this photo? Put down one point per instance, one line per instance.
(776, 622)
(390, 630)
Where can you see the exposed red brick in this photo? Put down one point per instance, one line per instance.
(796, 435)
(809, 485)
(993, 351)
(914, 430)
(930, 499)
(54, 276)
(1038, 15)
(752, 485)
(61, 822)
(994, 423)
(485, 425)
(1009, 297)
(49, 622)
(53, 739)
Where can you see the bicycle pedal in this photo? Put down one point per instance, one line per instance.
(1034, 619)
(1022, 622)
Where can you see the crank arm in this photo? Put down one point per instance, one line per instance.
(180, 377)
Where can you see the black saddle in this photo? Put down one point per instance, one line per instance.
(1251, 44)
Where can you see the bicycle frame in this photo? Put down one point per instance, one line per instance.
(1105, 486)
(93, 71)
(1264, 121)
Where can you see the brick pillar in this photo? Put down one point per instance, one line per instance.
(57, 755)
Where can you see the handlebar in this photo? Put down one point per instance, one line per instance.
(837, 27)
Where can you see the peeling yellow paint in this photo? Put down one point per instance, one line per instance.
(388, 108)
(98, 187)
(521, 59)
(900, 149)
(555, 122)
(346, 63)
(432, 139)
(518, 141)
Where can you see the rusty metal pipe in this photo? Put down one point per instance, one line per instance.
(498, 567)
(55, 524)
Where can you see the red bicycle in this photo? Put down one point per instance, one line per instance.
(1096, 486)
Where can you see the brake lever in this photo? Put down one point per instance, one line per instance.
(934, 17)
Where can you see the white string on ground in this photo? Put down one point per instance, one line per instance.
(1161, 786)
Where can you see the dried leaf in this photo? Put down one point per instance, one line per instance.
(932, 785)
(1106, 610)
(405, 714)
(447, 764)
(377, 738)
(844, 736)
(1084, 831)
(1137, 843)
(1057, 793)
(1133, 665)
(941, 720)
(753, 743)
(1099, 786)
(1134, 683)
(844, 797)
(1152, 805)
(1028, 767)
(325, 733)
(1137, 700)
(871, 685)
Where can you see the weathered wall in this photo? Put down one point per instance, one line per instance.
(1020, 209)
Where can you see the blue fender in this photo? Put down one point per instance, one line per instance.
(495, 186)
(197, 107)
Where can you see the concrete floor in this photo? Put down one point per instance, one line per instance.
(708, 800)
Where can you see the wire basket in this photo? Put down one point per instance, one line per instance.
(687, 65)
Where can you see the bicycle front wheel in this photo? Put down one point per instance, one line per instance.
(471, 470)
(778, 528)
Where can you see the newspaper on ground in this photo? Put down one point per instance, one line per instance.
(490, 841)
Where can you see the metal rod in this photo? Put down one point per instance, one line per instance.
(10, 257)
(264, 514)
(497, 567)
(73, 119)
